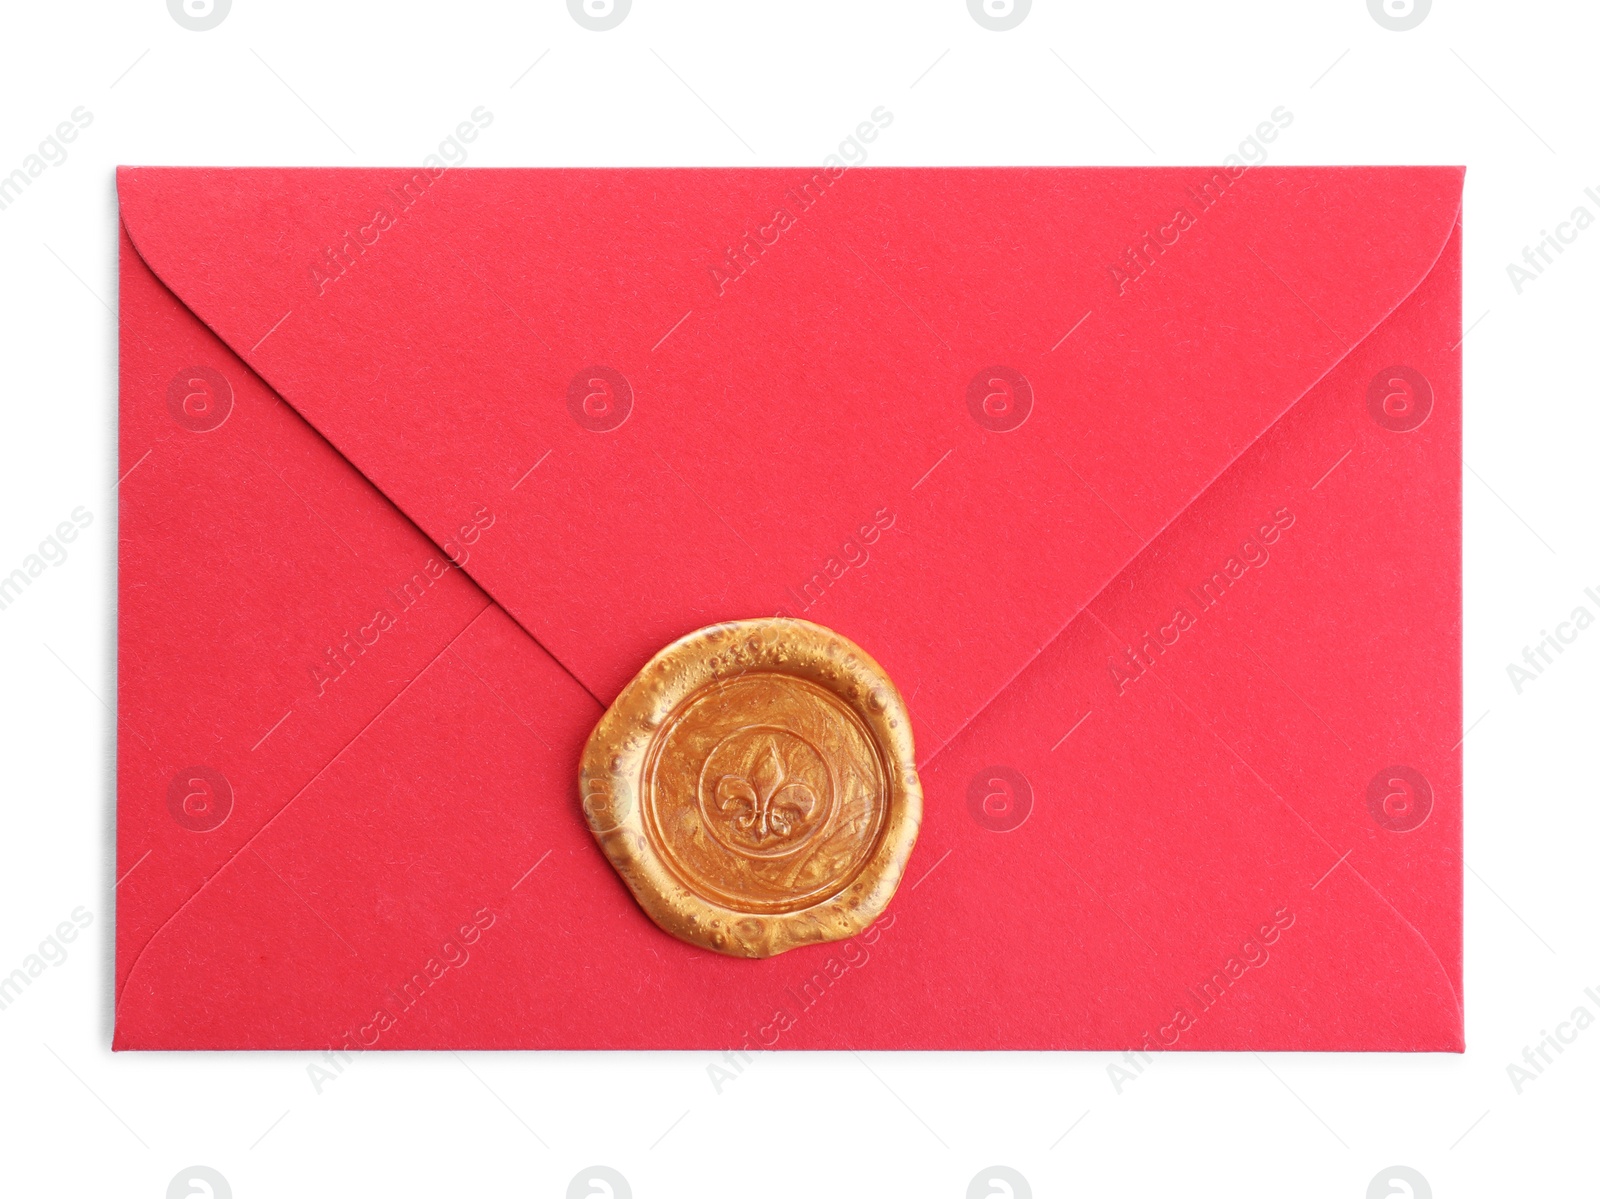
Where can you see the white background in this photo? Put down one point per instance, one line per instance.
(1508, 90)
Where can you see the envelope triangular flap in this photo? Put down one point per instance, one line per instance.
(935, 409)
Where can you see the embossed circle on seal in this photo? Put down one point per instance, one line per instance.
(755, 786)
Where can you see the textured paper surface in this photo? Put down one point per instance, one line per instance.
(1212, 427)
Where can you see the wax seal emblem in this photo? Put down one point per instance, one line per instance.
(756, 788)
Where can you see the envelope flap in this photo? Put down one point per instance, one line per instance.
(935, 409)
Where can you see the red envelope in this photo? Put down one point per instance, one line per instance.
(1142, 484)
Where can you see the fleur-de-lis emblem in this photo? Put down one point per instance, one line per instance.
(767, 805)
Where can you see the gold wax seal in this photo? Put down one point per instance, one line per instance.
(755, 787)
